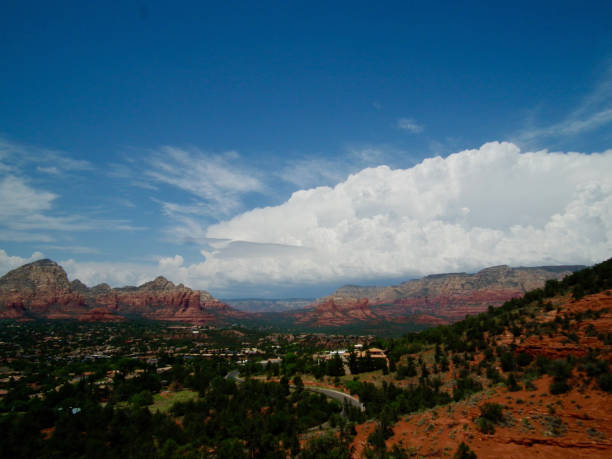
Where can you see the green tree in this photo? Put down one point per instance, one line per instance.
(464, 452)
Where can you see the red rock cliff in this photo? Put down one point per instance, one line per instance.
(432, 300)
(42, 290)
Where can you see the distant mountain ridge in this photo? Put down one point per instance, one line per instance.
(263, 305)
(431, 300)
(42, 290)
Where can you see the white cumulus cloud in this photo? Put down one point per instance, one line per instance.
(472, 209)
(117, 274)
(8, 262)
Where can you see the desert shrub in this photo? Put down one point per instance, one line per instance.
(494, 412)
(605, 382)
(143, 398)
(406, 371)
(555, 425)
(543, 363)
(378, 437)
(590, 330)
(508, 362)
(512, 384)
(444, 364)
(490, 415)
(493, 374)
(523, 359)
(596, 367)
(485, 426)
(324, 446)
(578, 291)
(229, 447)
(559, 387)
(464, 452)
(573, 337)
(466, 386)
(561, 369)
(530, 386)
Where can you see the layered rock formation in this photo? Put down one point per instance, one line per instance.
(338, 311)
(39, 289)
(432, 300)
(42, 290)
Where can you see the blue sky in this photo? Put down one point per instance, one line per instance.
(283, 149)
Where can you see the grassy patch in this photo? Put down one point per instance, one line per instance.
(163, 402)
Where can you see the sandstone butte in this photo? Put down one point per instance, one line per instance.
(576, 424)
(42, 290)
(433, 300)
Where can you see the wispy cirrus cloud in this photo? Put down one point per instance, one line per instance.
(217, 179)
(593, 112)
(9, 235)
(28, 214)
(15, 155)
(173, 209)
(409, 125)
(72, 249)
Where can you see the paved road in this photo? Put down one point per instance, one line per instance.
(337, 395)
(331, 393)
(234, 375)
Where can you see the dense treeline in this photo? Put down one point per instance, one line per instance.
(583, 282)
(228, 420)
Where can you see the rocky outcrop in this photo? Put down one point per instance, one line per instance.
(42, 290)
(435, 299)
(38, 289)
(560, 346)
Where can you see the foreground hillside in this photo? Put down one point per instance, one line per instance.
(432, 300)
(42, 290)
(529, 379)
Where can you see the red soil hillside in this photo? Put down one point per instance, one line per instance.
(537, 422)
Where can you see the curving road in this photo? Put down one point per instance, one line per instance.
(337, 395)
(234, 375)
(331, 393)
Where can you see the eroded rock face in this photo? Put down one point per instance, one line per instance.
(432, 300)
(41, 289)
(338, 311)
(559, 346)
